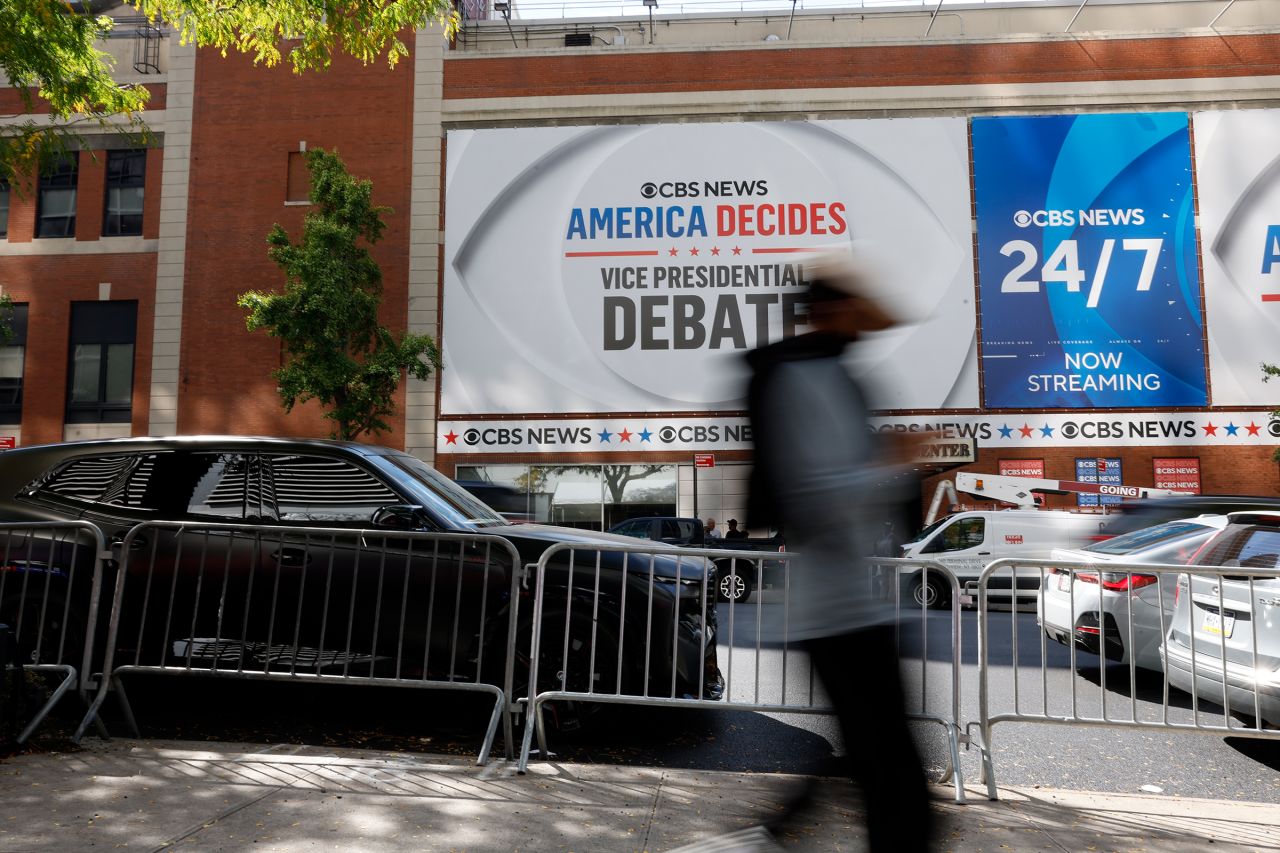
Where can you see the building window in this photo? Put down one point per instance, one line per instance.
(12, 362)
(56, 206)
(298, 184)
(102, 341)
(126, 174)
(4, 208)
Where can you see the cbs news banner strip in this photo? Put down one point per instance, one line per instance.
(953, 432)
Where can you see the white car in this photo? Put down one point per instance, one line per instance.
(1095, 607)
(1224, 643)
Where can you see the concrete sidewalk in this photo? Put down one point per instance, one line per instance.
(158, 795)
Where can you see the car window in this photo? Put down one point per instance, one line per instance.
(924, 534)
(688, 530)
(630, 528)
(1260, 549)
(86, 479)
(670, 529)
(182, 485)
(1148, 537)
(1256, 547)
(445, 500)
(962, 534)
(324, 490)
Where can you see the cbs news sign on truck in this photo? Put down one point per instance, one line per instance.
(1087, 262)
(630, 268)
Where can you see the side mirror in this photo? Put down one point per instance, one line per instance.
(398, 517)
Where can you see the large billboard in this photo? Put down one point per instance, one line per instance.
(1087, 262)
(1238, 172)
(630, 268)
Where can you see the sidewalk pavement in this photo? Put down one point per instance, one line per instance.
(160, 795)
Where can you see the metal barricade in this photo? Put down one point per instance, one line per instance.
(50, 585)
(431, 611)
(908, 573)
(1181, 621)
(633, 625)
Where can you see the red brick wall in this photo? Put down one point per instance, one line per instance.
(11, 100)
(245, 122)
(49, 284)
(151, 194)
(90, 194)
(1076, 60)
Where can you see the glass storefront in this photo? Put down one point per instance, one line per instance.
(594, 497)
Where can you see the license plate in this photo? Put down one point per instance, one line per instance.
(1220, 624)
(1064, 583)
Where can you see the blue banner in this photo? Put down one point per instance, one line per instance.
(1105, 471)
(1087, 262)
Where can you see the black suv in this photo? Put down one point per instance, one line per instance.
(736, 578)
(230, 572)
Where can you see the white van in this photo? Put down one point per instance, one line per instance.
(967, 541)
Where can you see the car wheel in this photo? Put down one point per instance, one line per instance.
(567, 715)
(733, 587)
(49, 642)
(933, 593)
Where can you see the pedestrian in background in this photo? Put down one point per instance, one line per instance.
(733, 532)
(711, 532)
(823, 475)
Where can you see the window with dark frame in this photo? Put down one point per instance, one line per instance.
(125, 181)
(56, 200)
(298, 182)
(4, 208)
(12, 364)
(100, 389)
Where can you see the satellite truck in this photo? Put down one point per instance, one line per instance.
(1022, 491)
(965, 542)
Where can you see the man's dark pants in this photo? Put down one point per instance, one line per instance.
(859, 670)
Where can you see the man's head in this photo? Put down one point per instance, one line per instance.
(733, 523)
(711, 524)
(840, 301)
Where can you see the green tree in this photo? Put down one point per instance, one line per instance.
(49, 47)
(335, 350)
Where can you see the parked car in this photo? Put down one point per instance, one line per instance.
(1231, 621)
(285, 600)
(1093, 606)
(736, 578)
(967, 541)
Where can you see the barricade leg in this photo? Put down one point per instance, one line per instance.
(125, 707)
(988, 768)
(526, 745)
(957, 774)
(69, 679)
(491, 732)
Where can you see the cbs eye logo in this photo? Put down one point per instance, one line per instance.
(1022, 219)
(667, 434)
(649, 189)
(471, 436)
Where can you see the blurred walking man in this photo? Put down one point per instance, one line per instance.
(821, 474)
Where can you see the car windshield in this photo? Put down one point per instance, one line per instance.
(461, 505)
(1147, 537)
(924, 534)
